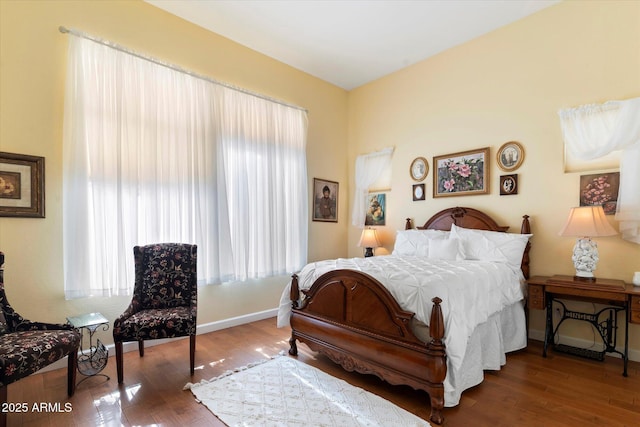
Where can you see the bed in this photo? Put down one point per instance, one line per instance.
(342, 309)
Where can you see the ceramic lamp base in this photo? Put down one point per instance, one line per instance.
(585, 258)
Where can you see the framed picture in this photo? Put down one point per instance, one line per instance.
(376, 209)
(510, 156)
(21, 185)
(418, 192)
(419, 169)
(461, 174)
(600, 189)
(508, 185)
(325, 200)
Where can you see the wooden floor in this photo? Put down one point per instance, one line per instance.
(529, 391)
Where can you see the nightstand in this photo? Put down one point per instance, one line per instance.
(535, 298)
(634, 314)
(616, 295)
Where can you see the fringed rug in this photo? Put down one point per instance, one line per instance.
(285, 392)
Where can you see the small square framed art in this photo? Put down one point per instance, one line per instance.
(21, 185)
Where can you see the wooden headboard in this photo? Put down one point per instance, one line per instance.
(475, 219)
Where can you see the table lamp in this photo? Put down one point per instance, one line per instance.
(369, 240)
(586, 222)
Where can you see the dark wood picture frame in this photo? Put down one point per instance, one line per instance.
(21, 185)
(461, 174)
(325, 206)
(418, 192)
(508, 185)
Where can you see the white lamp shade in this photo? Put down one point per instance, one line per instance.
(369, 239)
(587, 221)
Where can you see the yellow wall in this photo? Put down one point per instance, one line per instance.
(507, 85)
(32, 73)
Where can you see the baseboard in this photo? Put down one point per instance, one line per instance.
(201, 329)
(538, 335)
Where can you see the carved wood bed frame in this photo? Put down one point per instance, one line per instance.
(352, 318)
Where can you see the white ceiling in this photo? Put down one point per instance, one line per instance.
(351, 42)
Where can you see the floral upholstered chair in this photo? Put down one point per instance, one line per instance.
(26, 347)
(165, 297)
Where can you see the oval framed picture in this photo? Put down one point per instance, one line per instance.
(418, 192)
(508, 185)
(510, 156)
(419, 169)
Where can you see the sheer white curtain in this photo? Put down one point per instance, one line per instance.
(265, 180)
(369, 167)
(592, 131)
(146, 159)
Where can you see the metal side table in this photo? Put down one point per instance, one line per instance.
(92, 360)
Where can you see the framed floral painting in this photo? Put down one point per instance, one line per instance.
(600, 189)
(461, 174)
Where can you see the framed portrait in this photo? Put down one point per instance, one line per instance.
(376, 209)
(461, 174)
(510, 156)
(600, 189)
(418, 192)
(325, 200)
(21, 185)
(419, 169)
(508, 185)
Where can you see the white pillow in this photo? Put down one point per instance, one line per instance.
(491, 245)
(448, 249)
(416, 242)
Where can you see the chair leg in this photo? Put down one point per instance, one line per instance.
(192, 352)
(141, 348)
(3, 400)
(119, 361)
(72, 365)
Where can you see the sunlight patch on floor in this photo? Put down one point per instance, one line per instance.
(216, 362)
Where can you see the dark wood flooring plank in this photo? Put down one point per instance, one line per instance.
(556, 391)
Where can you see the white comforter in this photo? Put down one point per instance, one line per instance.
(471, 291)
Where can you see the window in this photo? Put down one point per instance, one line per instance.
(153, 154)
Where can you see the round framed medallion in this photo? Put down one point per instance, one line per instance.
(510, 156)
(419, 169)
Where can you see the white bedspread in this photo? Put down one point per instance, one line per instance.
(471, 291)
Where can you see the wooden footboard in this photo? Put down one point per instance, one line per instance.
(352, 318)
(372, 336)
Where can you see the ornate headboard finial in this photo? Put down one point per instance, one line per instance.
(408, 225)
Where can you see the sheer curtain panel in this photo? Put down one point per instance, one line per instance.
(592, 131)
(152, 154)
(368, 168)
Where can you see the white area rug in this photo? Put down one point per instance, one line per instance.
(285, 392)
